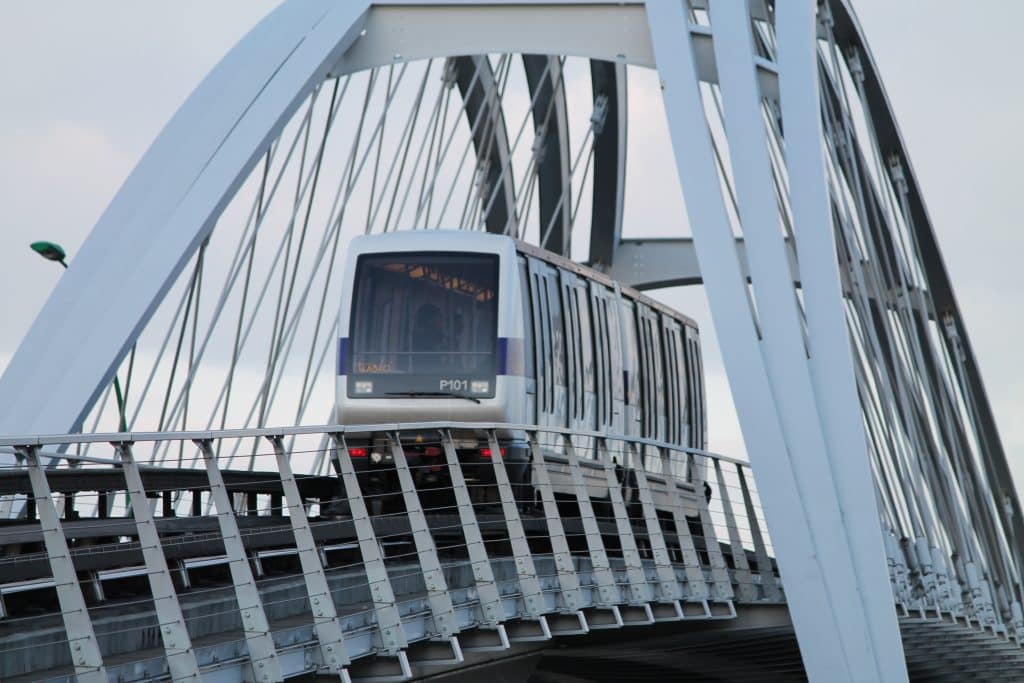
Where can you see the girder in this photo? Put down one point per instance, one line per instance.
(551, 151)
(608, 81)
(481, 95)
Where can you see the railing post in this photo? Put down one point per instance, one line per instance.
(333, 652)
(603, 577)
(483, 574)
(764, 564)
(568, 579)
(695, 581)
(668, 586)
(719, 571)
(433, 575)
(529, 585)
(181, 658)
(389, 623)
(262, 653)
(639, 590)
(745, 582)
(85, 650)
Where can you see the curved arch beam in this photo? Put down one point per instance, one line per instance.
(550, 120)
(848, 34)
(490, 137)
(165, 209)
(608, 81)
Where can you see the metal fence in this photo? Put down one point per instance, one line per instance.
(292, 562)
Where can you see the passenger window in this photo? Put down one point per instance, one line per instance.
(599, 333)
(558, 343)
(528, 333)
(542, 330)
(614, 354)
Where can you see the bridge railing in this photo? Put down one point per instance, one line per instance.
(181, 551)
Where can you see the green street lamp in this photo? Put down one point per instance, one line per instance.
(51, 251)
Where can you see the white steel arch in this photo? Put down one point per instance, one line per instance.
(796, 378)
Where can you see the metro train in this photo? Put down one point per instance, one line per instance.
(460, 326)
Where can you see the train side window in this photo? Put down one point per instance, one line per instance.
(528, 334)
(646, 383)
(671, 380)
(691, 386)
(695, 393)
(684, 382)
(614, 352)
(631, 356)
(607, 338)
(599, 333)
(659, 377)
(586, 339)
(702, 426)
(571, 345)
(542, 338)
(545, 323)
(558, 341)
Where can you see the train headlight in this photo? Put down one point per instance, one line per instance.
(376, 457)
(364, 387)
(479, 387)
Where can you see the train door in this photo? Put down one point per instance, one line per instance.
(549, 344)
(676, 427)
(579, 351)
(652, 372)
(696, 414)
(633, 413)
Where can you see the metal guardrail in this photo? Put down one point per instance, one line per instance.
(610, 531)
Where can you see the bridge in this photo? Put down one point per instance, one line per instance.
(881, 540)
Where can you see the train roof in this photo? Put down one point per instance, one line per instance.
(469, 236)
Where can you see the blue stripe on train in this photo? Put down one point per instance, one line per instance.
(342, 355)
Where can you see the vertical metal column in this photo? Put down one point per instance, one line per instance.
(764, 564)
(85, 650)
(696, 584)
(568, 579)
(389, 622)
(529, 585)
(262, 654)
(325, 615)
(639, 590)
(741, 568)
(604, 579)
(483, 573)
(181, 658)
(433, 576)
(668, 587)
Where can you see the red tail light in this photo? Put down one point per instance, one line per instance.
(433, 451)
(357, 452)
(486, 452)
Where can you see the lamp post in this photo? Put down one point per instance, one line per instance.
(51, 251)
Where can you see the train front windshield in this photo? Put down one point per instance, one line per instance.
(424, 324)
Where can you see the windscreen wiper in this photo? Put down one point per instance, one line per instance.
(413, 394)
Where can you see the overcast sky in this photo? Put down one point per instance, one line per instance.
(85, 87)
